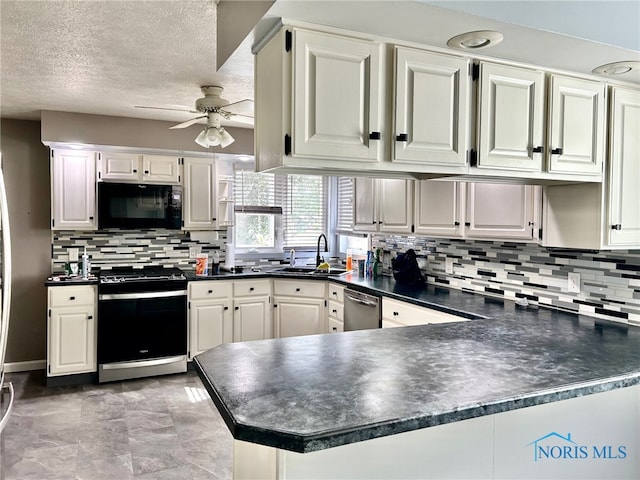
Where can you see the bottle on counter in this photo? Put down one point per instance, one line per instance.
(85, 264)
(369, 265)
(349, 262)
(377, 265)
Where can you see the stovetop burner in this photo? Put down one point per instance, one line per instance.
(148, 273)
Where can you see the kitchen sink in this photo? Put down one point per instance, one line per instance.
(309, 271)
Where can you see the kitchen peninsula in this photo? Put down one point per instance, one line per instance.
(524, 393)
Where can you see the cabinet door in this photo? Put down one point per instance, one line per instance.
(500, 211)
(576, 142)
(72, 340)
(511, 118)
(160, 169)
(365, 213)
(199, 194)
(335, 97)
(431, 98)
(73, 192)
(624, 168)
(439, 208)
(209, 325)
(252, 319)
(298, 316)
(395, 202)
(119, 166)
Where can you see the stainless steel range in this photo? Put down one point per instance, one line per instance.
(142, 322)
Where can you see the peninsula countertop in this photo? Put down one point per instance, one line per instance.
(310, 393)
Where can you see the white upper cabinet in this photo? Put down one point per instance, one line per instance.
(500, 210)
(477, 210)
(335, 96)
(511, 116)
(73, 190)
(576, 126)
(431, 105)
(439, 208)
(383, 205)
(624, 169)
(199, 203)
(131, 167)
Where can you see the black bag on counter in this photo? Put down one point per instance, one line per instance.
(406, 270)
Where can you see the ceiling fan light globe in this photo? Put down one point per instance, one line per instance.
(202, 139)
(213, 136)
(225, 138)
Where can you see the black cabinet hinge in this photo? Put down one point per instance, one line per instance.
(188, 305)
(288, 40)
(99, 174)
(540, 234)
(287, 144)
(325, 303)
(374, 136)
(617, 226)
(49, 313)
(51, 153)
(53, 224)
(178, 178)
(413, 229)
(475, 71)
(473, 158)
(49, 368)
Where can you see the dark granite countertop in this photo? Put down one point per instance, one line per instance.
(310, 393)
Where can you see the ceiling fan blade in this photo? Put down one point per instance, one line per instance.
(188, 123)
(240, 107)
(166, 108)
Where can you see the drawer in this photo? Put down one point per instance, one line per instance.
(200, 290)
(244, 288)
(72, 296)
(336, 310)
(406, 314)
(336, 292)
(299, 288)
(335, 326)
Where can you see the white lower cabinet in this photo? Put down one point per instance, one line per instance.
(335, 314)
(209, 315)
(71, 330)
(402, 314)
(252, 318)
(299, 307)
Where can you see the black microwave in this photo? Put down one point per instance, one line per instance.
(135, 206)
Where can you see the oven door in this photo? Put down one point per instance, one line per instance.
(142, 325)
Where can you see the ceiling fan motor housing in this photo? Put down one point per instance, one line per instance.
(212, 100)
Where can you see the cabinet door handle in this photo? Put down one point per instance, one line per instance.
(89, 317)
(556, 151)
(275, 305)
(297, 289)
(395, 314)
(214, 219)
(251, 289)
(72, 298)
(226, 308)
(456, 224)
(334, 293)
(374, 136)
(90, 218)
(402, 137)
(334, 311)
(335, 329)
(146, 172)
(135, 170)
(237, 308)
(467, 224)
(617, 226)
(209, 291)
(538, 150)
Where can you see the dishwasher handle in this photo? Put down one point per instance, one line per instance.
(361, 301)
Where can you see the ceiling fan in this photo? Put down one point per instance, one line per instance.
(215, 108)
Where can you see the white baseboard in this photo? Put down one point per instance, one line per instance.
(25, 366)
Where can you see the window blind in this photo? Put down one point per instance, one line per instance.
(255, 192)
(305, 210)
(344, 195)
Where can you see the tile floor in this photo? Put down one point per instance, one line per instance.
(154, 428)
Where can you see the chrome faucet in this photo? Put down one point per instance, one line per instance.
(292, 258)
(326, 248)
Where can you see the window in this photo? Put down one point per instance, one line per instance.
(267, 204)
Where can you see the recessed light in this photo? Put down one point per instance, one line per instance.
(475, 40)
(617, 68)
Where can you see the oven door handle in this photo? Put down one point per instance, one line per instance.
(133, 296)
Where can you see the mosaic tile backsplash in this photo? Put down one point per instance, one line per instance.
(610, 281)
(115, 247)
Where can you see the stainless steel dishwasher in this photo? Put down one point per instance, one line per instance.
(361, 311)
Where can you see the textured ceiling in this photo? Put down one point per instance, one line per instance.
(106, 56)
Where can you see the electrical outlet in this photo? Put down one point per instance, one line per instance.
(573, 283)
(448, 266)
(194, 250)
